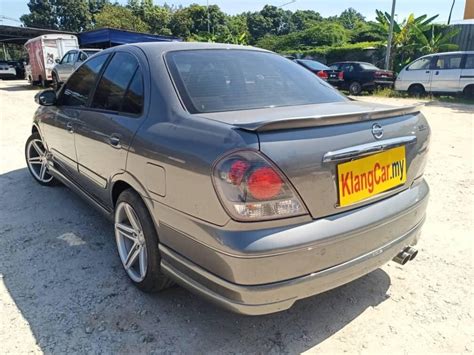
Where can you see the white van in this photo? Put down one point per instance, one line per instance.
(450, 73)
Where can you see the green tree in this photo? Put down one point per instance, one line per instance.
(120, 17)
(73, 15)
(42, 15)
(180, 24)
(303, 19)
(350, 18)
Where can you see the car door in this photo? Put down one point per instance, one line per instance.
(467, 73)
(106, 129)
(418, 72)
(446, 73)
(59, 127)
(65, 67)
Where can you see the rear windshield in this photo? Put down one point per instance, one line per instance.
(368, 66)
(313, 64)
(216, 80)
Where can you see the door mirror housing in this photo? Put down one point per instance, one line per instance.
(46, 97)
(57, 60)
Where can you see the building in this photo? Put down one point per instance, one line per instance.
(469, 10)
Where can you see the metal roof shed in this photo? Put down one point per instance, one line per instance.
(109, 37)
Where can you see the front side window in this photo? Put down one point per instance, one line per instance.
(312, 64)
(216, 80)
(448, 62)
(82, 57)
(114, 83)
(66, 58)
(79, 86)
(420, 64)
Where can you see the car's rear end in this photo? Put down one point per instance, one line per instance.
(333, 190)
(331, 75)
(7, 70)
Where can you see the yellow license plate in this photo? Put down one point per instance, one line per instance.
(366, 177)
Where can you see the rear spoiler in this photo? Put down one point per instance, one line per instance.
(329, 119)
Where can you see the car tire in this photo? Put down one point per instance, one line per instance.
(137, 243)
(35, 156)
(56, 84)
(469, 92)
(416, 90)
(355, 88)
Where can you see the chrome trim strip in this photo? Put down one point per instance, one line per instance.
(367, 149)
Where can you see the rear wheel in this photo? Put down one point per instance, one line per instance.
(137, 243)
(355, 88)
(35, 155)
(416, 90)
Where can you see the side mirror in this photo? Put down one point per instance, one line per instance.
(46, 97)
(57, 60)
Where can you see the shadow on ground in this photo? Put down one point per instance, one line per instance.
(60, 267)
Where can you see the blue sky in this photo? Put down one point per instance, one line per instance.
(15, 8)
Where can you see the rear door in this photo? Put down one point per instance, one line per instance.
(446, 73)
(105, 130)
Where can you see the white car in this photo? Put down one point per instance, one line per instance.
(449, 73)
(7, 71)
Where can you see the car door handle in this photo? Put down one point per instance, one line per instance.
(427, 72)
(114, 141)
(437, 72)
(70, 127)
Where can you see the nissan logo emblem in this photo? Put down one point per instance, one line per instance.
(377, 131)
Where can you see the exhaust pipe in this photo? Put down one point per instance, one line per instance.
(402, 258)
(405, 255)
(412, 252)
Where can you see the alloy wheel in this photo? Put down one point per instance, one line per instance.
(131, 243)
(36, 157)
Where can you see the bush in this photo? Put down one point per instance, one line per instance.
(365, 51)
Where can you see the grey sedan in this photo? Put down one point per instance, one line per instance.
(70, 62)
(234, 171)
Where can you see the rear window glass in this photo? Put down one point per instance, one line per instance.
(226, 80)
(368, 66)
(313, 64)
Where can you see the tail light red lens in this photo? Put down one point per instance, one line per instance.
(322, 74)
(264, 183)
(251, 188)
(340, 76)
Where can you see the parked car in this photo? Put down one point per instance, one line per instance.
(361, 76)
(448, 73)
(234, 171)
(71, 60)
(332, 76)
(7, 70)
(43, 51)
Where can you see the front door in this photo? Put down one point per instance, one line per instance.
(107, 127)
(446, 73)
(59, 129)
(65, 67)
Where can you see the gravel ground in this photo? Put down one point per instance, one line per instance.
(62, 288)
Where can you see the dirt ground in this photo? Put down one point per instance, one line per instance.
(62, 288)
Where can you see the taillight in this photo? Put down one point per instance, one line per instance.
(340, 76)
(251, 188)
(322, 74)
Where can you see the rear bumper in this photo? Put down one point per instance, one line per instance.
(254, 271)
(279, 296)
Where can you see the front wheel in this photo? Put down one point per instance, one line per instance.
(416, 90)
(36, 160)
(56, 83)
(137, 243)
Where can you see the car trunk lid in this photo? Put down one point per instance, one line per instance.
(311, 143)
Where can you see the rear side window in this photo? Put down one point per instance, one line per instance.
(79, 86)
(469, 62)
(115, 81)
(448, 62)
(420, 64)
(133, 100)
(216, 80)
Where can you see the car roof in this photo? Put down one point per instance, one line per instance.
(448, 53)
(158, 48)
